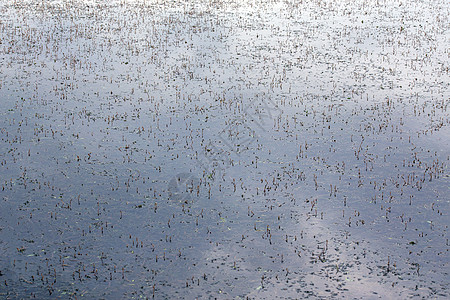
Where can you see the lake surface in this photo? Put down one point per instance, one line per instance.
(224, 149)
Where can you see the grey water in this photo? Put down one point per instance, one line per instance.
(224, 149)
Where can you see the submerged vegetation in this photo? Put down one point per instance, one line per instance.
(224, 149)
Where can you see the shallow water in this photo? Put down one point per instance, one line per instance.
(224, 149)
